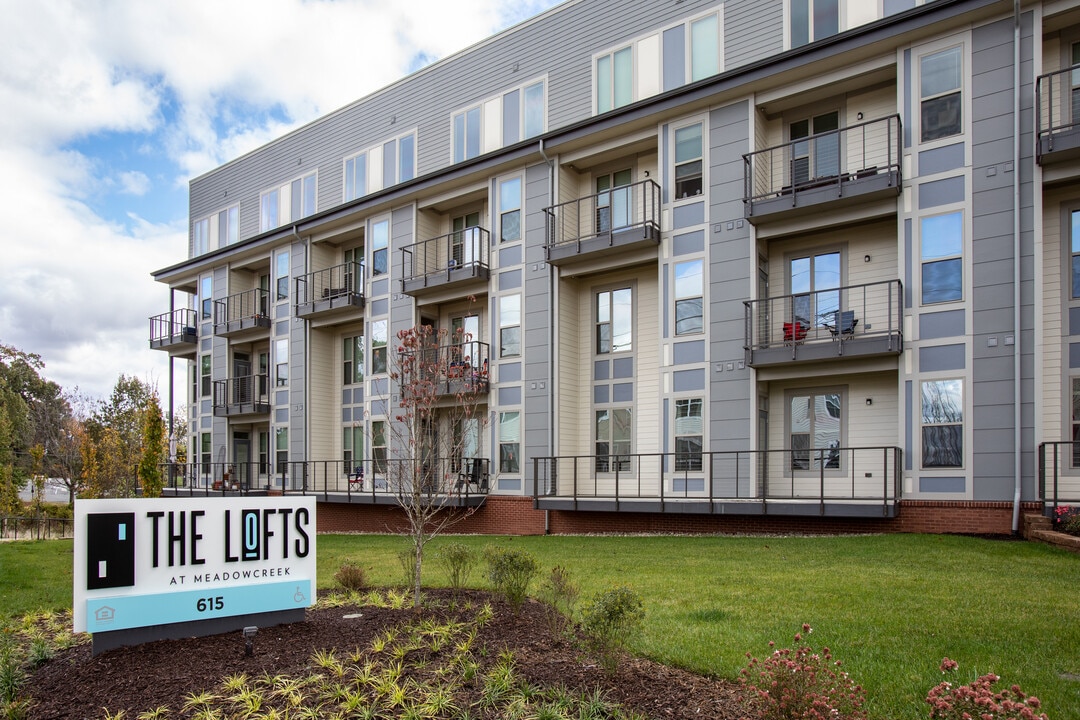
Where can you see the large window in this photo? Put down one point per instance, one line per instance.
(942, 424)
(613, 200)
(352, 444)
(510, 326)
(523, 113)
(1076, 422)
(205, 363)
(614, 79)
(352, 360)
(704, 47)
(378, 346)
(281, 274)
(206, 452)
(942, 243)
(380, 242)
(355, 176)
(281, 362)
(614, 439)
(689, 297)
(817, 158)
(510, 210)
(813, 20)
(816, 430)
(228, 226)
(614, 321)
(206, 296)
(378, 445)
(281, 446)
(287, 203)
(467, 132)
(688, 161)
(814, 285)
(689, 434)
(509, 442)
(1074, 251)
(940, 81)
(465, 240)
(268, 210)
(200, 237)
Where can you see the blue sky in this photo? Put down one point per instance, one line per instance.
(112, 107)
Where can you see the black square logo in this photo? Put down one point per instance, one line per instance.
(110, 550)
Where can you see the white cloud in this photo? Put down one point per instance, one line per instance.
(134, 182)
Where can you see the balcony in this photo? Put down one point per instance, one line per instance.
(243, 315)
(335, 291)
(830, 170)
(847, 322)
(614, 222)
(1057, 116)
(453, 369)
(245, 395)
(449, 261)
(1059, 474)
(175, 331)
(831, 482)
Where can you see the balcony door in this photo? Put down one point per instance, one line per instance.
(465, 331)
(464, 239)
(242, 458)
(353, 258)
(241, 378)
(818, 158)
(613, 201)
(814, 281)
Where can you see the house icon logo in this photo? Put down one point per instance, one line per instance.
(104, 614)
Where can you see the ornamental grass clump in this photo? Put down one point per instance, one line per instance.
(978, 701)
(801, 683)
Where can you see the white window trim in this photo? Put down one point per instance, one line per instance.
(367, 170)
(213, 234)
(496, 226)
(675, 297)
(679, 125)
(917, 54)
(965, 256)
(844, 392)
(370, 249)
(697, 395)
(966, 431)
(632, 44)
(284, 191)
(481, 105)
(374, 176)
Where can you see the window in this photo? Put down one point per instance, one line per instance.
(940, 82)
(378, 445)
(704, 47)
(264, 452)
(287, 203)
(282, 447)
(281, 274)
(302, 197)
(817, 158)
(614, 79)
(268, 210)
(1074, 230)
(281, 362)
(813, 20)
(229, 226)
(354, 269)
(533, 110)
(200, 234)
(378, 346)
(206, 296)
(465, 241)
(614, 321)
(942, 238)
(264, 373)
(814, 286)
(355, 176)
(689, 434)
(206, 451)
(613, 439)
(205, 364)
(942, 424)
(814, 422)
(689, 297)
(398, 160)
(380, 241)
(510, 210)
(613, 199)
(509, 442)
(467, 134)
(1076, 422)
(353, 360)
(688, 165)
(264, 295)
(352, 443)
(509, 326)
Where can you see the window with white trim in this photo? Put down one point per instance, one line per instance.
(504, 119)
(380, 242)
(398, 160)
(288, 203)
(941, 240)
(206, 296)
(281, 274)
(200, 237)
(689, 297)
(815, 428)
(352, 360)
(378, 346)
(614, 321)
(811, 20)
(688, 161)
(281, 446)
(510, 210)
(689, 434)
(355, 176)
(205, 363)
(943, 423)
(614, 73)
(1075, 421)
(228, 222)
(510, 326)
(352, 445)
(467, 133)
(378, 445)
(510, 442)
(281, 362)
(940, 96)
(1074, 251)
(206, 451)
(614, 438)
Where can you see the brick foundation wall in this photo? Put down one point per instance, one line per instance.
(503, 515)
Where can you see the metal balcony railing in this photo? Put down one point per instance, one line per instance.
(177, 326)
(1057, 110)
(242, 311)
(453, 368)
(1059, 473)
(242, 395)
(605, 217)
(841, 315)
(462, 253)
(829, 159)
(340, 281)
(868, 475)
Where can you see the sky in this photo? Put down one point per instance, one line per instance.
(111, 108)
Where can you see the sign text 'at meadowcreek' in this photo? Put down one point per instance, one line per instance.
(143, 562)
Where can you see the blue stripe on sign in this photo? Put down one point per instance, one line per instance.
(122, 530)
(131, 611)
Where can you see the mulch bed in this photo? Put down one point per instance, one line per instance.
(135, 679)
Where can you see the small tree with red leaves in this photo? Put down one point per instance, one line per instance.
(442, 382)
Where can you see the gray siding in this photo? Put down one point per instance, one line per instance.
(753, 29)
(536, 322)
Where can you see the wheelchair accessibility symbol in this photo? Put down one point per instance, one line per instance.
(298, 596)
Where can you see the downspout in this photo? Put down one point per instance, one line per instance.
(551, 334)
(1017, 414)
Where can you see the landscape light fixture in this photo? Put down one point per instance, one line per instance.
(249, 640)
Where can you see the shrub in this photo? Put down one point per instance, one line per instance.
(560, 592)
(802, 683)
(458, 560)
(978, 700)
(609, 620)
(351, 577)
(1067, 519)
(510, 570)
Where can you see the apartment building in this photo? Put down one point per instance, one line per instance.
(719, 266)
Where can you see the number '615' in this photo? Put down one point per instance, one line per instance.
(210, 603)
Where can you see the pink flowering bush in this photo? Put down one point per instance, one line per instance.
(1067, 519)
(801, 683)
(978, 701)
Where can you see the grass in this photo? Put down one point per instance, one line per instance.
(890, 607)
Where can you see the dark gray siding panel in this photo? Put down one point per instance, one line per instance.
(536, 319)
(941, 192)
(942, 159)
(941, 324)
(940, 358)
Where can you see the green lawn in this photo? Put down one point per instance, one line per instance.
(889, 606)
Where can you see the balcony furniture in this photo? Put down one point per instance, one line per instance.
(356, 478)
(795, 332)
(473, 473)
(844, 322)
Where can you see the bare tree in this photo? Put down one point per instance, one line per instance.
(435, 436)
